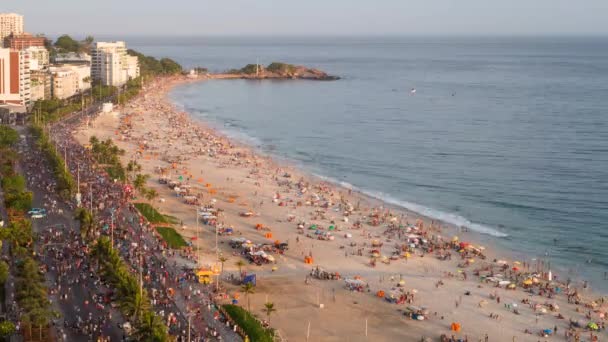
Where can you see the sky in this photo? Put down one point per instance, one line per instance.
(312, 17)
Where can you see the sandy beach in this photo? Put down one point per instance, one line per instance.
(377, 249)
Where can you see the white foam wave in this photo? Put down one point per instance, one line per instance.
(450, 218)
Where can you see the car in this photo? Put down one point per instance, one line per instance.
(36, 211)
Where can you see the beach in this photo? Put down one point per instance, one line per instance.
(381, 250)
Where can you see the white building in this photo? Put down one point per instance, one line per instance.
(14, 77)
(10, 23)
(64, 82)
(72, 57)
(69, 80)
(111, 65)
(132, 68)
(39, 57)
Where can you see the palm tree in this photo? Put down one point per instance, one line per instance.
(151, 194)
(248, 289)
(150, 329)
(240, 263)
(222, 259)
(133, 301)
(133, 166)
(86, 220)
(140, 182)
(269, 309)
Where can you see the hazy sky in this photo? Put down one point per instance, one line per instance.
(313, 17)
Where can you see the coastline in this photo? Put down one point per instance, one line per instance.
(420, 272)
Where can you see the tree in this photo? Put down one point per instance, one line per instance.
(65, 43)
(248, 289)
(170, 66)
(222, 259)
(151, 194)
(86, 220)
(150, 329)
(133, 166)
(7, 328)
(3, 272)
(8, 136)
(240, 263)
(269, 309)
(140, 182)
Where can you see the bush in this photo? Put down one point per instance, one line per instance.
(250, 325)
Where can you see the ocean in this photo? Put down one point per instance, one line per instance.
(507, 136)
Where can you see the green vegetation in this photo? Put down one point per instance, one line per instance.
(108, 154)
(150, 66)
(269, 309)
(248, 289)
(8, 136)
(249, 69)
(66, 186)
(249, 324)
(16, 197)
(86, 220)
(282, 68)
(7, 328)
(65, 43)
(132, 298)
(31, 292)
(174, 239)
(151, 214)
(54, 109)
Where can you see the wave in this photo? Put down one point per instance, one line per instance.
(450, 218)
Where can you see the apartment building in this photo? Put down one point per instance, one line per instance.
(111, 65)
(39, 57)
(14, 77)
(40, 85)
(23, 41)
(64, 82)
(10, 23)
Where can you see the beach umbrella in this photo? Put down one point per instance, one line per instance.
(528, 281)
(548, 331)
(592, 326)
(455, 238)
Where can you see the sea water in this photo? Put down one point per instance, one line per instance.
(507, 136)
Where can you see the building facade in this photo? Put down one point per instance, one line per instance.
(39, 57)
(64, 82)
(10, 23)
(40, 85)
(72, 57)
(69, 80)
(14, 77)
(23, 41)
(111, 65)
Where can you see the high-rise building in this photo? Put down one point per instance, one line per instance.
(10, 23)
(111, 65)
(23, 41)
(14, 77)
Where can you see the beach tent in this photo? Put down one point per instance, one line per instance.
(250, 279)
(455, 327)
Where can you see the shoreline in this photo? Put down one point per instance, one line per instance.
(419, 271)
